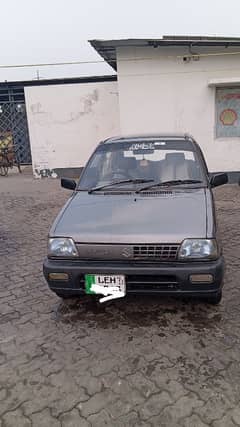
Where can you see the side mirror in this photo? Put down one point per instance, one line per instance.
(219, 179)
(70, 184)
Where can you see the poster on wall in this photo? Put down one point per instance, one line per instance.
(228, 112)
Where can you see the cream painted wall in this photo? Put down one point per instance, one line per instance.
(66, 122)
(159, 92)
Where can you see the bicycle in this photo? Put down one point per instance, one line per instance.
(8, 160)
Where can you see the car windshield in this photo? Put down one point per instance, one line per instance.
(156, 161)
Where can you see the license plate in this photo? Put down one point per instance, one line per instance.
(105, 284)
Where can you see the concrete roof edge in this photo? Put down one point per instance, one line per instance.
(107, 48)
(59, 81)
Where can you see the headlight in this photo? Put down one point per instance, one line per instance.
(62, 247)
(198, 249)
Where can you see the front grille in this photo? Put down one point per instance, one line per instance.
(152, 287)
(159, 252)
(126, 253)
(147, 279)
(150, 283)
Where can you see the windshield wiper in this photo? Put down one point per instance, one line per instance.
(123, 181)
(172, 182)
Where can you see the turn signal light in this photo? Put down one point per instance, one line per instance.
(58, 276)
(201, 278)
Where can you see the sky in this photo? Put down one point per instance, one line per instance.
(43, 31)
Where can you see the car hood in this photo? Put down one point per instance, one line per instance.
(97, 218)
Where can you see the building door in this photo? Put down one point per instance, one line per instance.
(13, 121)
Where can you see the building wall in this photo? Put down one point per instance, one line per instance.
(66, 122)
(159, 92)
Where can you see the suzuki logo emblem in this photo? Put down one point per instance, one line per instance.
(127, 252)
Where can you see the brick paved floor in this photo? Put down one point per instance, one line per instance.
(140, 362)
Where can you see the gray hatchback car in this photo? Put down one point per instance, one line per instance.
(140, 220)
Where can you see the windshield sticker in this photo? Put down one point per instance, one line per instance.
(145, 145)
(142, 146)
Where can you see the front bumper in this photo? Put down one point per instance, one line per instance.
(171, 278)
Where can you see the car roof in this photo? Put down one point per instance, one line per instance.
(140, 137)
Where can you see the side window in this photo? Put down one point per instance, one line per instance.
(227, 112)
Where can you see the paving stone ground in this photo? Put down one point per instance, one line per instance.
(135, 362)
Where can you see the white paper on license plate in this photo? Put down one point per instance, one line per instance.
(113, 286)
